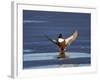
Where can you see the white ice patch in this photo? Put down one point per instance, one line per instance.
(28, 50)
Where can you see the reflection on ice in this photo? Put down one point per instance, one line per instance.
(53, 56)
(50, 60)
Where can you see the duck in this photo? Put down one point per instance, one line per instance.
(64, 43)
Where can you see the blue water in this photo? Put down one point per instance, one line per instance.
(36, 24)
(47, 46)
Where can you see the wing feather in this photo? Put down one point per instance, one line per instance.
(52, 40)
(72, 38)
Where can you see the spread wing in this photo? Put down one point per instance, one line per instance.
(72, 38)
(53, 41)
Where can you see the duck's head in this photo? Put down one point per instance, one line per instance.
(60, 36)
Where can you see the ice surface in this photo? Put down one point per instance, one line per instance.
(53, 56)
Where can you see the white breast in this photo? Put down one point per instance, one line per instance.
(60, 40)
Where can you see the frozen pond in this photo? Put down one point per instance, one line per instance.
(49, 60)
